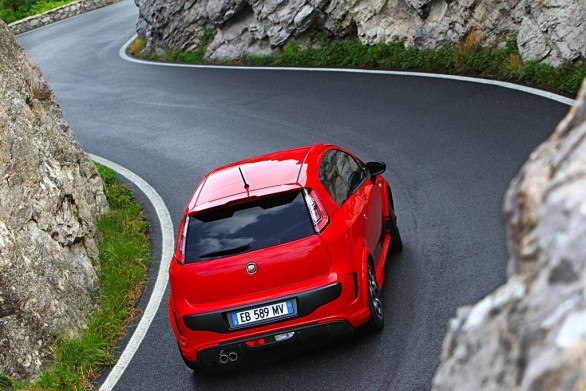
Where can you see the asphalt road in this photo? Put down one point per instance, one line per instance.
(451, 148)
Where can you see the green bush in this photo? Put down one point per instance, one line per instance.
(566, 77)
(466, 58)
(7, 15)
(13, 10)
(195, 56)
(43, 6)
(108, 175)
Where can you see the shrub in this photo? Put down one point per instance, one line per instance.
(195, 56)
(137, 46)
(13, 10)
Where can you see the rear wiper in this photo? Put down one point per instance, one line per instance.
(227, 251)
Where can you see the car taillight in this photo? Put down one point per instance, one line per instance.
(318, 213)
(255, 342)
(181, 241)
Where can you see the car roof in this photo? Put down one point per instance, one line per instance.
(267, 174)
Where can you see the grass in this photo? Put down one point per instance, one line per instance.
(7, 383)
(44, 6)
(13, 10)
(124, 258)
(466, 58)
(137, 46)
(196, 56)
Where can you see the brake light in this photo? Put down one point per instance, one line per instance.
(255, 342)
(181, 241)
(318, 213)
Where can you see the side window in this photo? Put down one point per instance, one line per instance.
(340, 174)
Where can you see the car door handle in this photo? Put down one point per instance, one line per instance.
(365, 216)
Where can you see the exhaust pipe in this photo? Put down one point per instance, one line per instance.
(225, 358)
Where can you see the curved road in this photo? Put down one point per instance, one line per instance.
(451, 147)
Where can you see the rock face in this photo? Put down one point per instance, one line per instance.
(530, 334)
(50, 193)
(545, 30)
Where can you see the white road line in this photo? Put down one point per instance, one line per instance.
(504, 84)
(162, 277)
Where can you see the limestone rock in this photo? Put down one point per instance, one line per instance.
(50, 193)
(546, 30)
(531, 333)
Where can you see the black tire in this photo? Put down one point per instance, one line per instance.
(396, 241)
(377, 316)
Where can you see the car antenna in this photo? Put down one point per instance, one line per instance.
(246, 185)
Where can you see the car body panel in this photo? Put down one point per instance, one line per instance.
(277, 266)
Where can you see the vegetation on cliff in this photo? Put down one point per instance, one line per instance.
(124, 258)
(467, 58)
(13, 10)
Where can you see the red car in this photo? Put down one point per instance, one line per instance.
(280, 248)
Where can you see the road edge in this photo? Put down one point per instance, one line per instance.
(512, 86)
(154, 302)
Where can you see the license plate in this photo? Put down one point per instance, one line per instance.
(262, 314)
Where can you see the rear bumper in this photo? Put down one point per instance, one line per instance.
(337, 300)
(304, 334)
(307, 302)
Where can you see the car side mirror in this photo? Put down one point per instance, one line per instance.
(376, 168)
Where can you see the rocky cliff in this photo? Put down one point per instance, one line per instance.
(530, 334)
(545, 30)
(50, 193)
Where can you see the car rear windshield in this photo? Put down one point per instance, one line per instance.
(265, 222)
